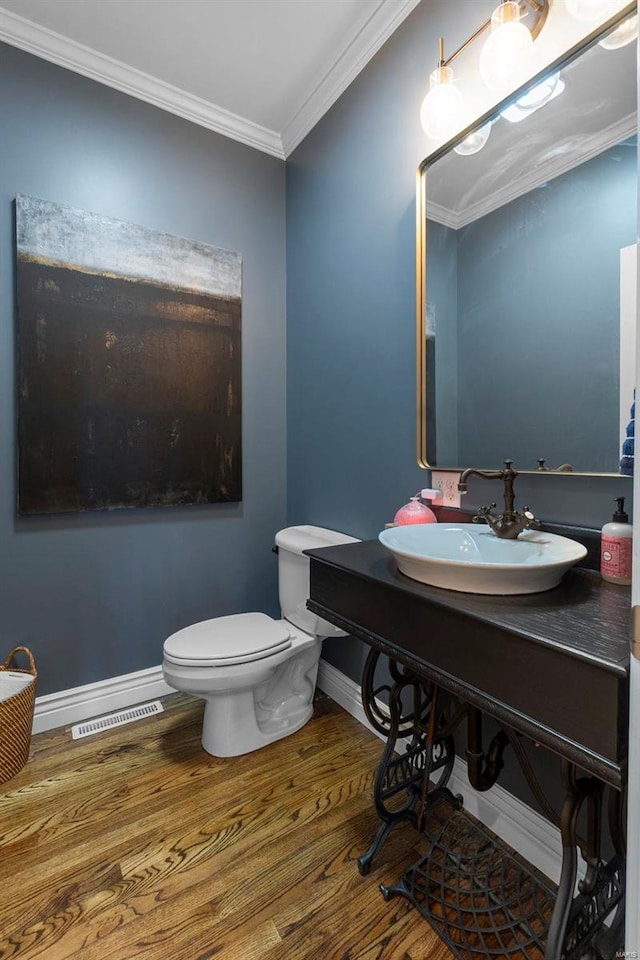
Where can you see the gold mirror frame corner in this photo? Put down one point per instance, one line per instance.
(421, 238)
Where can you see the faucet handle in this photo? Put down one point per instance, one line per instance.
(483, 514)
(532, 521)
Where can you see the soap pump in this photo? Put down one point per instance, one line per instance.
(417, 512)
(616, 547)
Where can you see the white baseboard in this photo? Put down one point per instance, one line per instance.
(529, 833)
(80, 703)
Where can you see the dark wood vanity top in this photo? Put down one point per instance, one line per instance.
(552, 665)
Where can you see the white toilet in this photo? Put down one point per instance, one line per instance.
(256, 675)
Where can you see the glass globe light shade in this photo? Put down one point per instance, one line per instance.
(474, 142)
(505, 52)
(586, 10)
(534, 98)
(626, 32)
(442, 107)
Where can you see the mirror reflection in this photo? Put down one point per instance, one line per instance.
(530, 278)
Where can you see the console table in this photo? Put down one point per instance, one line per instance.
(551, 667)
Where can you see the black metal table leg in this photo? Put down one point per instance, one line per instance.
(611, 938)
(390, 780)
(412, 753)
(574, 797)
(577, 927)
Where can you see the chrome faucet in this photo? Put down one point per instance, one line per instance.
(511, 523)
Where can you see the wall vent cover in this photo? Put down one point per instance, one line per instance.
(98, 724)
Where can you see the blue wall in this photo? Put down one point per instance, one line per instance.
(94, 595)
(558, 338)
(351, 307)
(516, 335)
(351, 294)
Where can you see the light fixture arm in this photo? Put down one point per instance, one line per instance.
(538, 7)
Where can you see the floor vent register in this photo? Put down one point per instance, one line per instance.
(98, 724)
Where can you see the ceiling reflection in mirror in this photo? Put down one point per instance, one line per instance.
(527, 304)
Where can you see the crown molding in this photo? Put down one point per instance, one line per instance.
(541, 173)
(58, 49)
(443, 215)
(554, 167)
(383, 22)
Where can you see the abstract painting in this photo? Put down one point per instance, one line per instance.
(129, 365)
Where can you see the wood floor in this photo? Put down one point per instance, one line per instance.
(134, 844)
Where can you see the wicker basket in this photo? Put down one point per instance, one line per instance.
(17, 700)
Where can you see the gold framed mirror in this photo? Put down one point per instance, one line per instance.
(526, 258)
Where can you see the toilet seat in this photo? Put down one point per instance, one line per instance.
(224, 641)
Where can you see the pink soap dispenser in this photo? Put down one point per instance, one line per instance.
(417, 512)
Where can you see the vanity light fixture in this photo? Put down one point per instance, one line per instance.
(442, 107)
(506, 49)
(623, 34)
(502, 58)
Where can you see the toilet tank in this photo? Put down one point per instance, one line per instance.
(293, 576)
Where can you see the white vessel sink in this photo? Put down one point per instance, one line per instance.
(471, 559)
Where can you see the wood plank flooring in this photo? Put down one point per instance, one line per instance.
(135, 844)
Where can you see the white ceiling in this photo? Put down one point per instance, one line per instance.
(260, 71)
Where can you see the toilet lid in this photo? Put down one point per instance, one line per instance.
(240, 638)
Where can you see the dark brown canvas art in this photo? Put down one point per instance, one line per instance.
(129, 391)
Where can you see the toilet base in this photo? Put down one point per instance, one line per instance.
(248, 706)
(230, 727)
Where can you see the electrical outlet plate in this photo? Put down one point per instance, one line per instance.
(447, 482)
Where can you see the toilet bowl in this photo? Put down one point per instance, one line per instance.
(256, 675)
